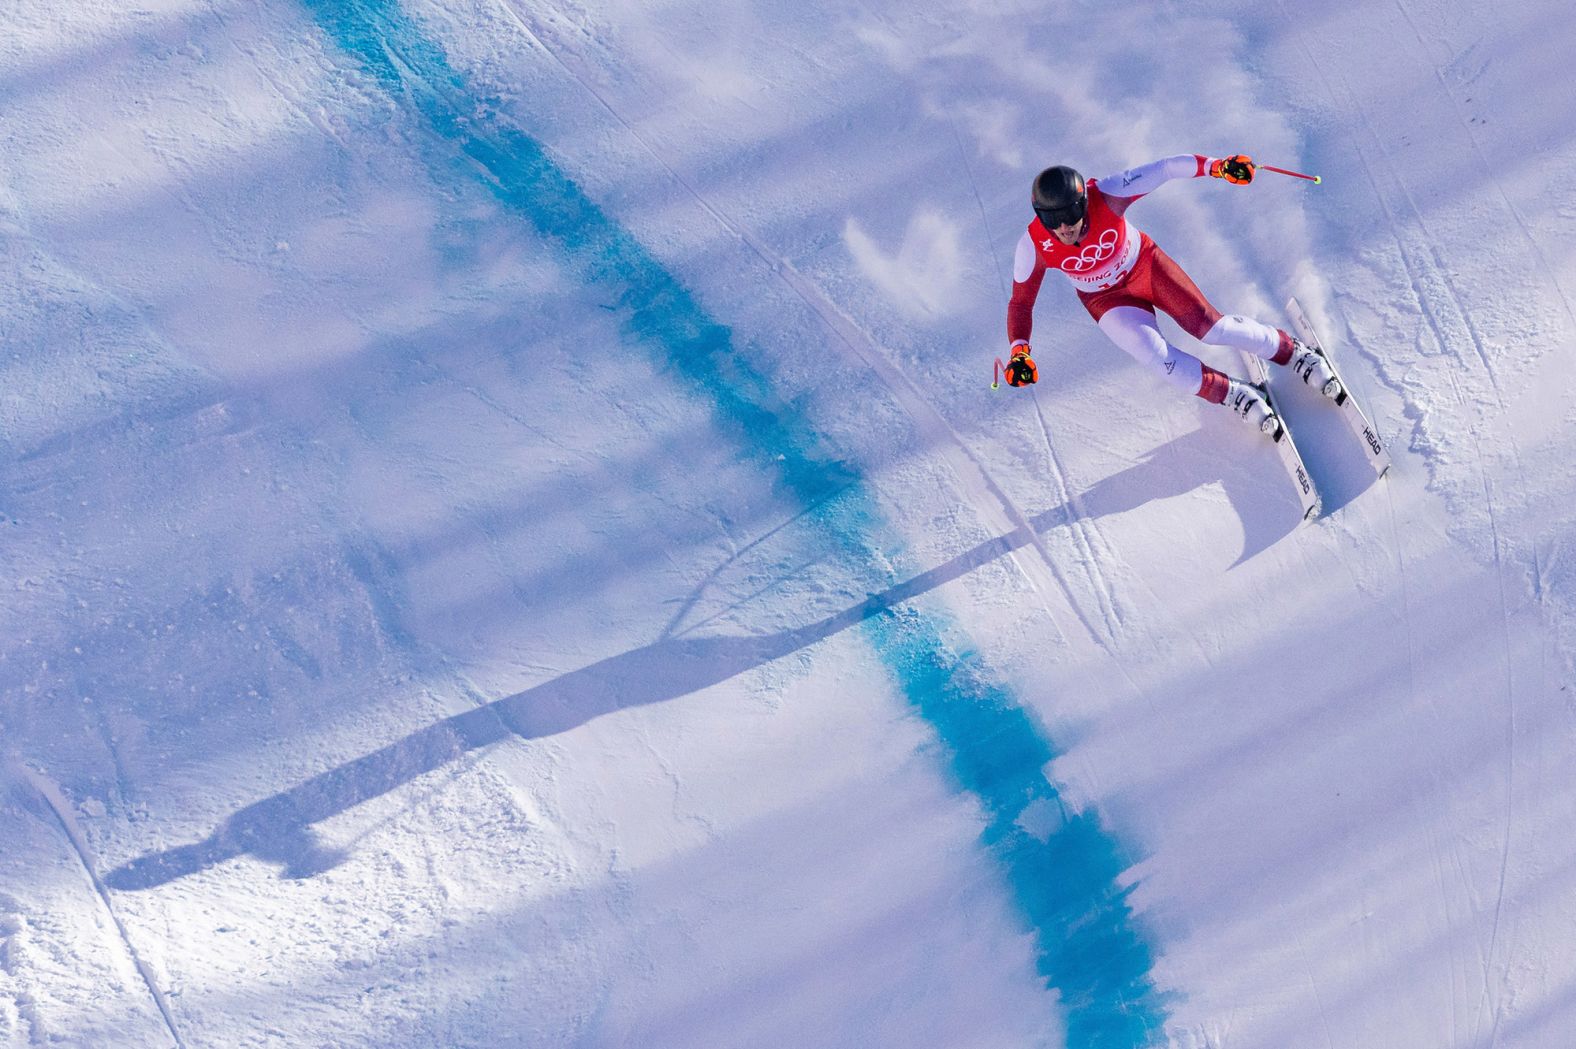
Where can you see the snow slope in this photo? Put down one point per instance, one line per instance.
(509, 539)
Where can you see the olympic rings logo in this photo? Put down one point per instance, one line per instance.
(1094, 254)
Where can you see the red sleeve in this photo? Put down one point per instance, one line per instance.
(1020, 310)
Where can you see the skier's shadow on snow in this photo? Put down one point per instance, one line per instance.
(1255, 486)
(279, 828)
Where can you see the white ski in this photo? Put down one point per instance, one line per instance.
(1351, 411)
(1286, 445)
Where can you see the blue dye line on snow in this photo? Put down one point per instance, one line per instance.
(1064, 878)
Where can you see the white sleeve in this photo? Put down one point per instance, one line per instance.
(1135, 182)
(1023, 259)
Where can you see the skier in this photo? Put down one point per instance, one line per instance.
(1121, 276)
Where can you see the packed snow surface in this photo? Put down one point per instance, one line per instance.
(507, 537)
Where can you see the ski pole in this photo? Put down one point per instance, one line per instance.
(1315, 179)
(995, 382)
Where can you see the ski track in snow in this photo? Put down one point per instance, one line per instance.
(52, 800)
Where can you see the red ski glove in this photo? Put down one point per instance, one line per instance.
(1237, 170)
(1021, 370)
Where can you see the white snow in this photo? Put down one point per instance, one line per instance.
(411, 637)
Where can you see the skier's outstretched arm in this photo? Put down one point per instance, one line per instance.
(1127, 186)
(1028, 273)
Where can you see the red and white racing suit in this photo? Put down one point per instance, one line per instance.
(1122, 277)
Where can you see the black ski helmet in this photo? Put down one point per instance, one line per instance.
(1059, 196)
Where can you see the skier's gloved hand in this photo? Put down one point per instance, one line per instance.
(1021, 370)
(1236, 169)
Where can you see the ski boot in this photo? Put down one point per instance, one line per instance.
(1248, 402)
(1312, 368)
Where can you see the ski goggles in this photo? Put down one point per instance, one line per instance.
(1050, 218)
